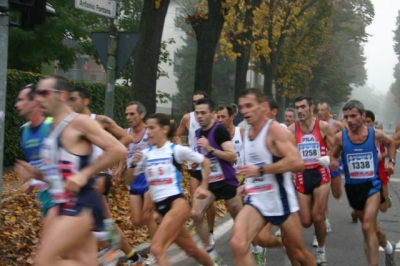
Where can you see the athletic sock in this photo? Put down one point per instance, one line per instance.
(321, 249)
(389, 248)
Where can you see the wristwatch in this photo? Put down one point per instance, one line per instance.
(212, 150)
(393, 161)
(261, 170)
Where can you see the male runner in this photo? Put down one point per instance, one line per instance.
(313, 138)
(141, 205)
(67, 166)
(362, 184)
(290, 116)
(270, 156)
(382, 154)
(324, 113)
(189, 124)
(79, 100)
(32, 134)
(214, 141)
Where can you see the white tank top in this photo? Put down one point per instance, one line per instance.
(192, 140)
(97, 151)
(271, 194)
(135, 147)
(239, 148)
(193, 126)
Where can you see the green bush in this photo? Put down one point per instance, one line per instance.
(17, 79)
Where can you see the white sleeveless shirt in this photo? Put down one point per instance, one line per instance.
(239, 148)
(271, 194)
(192, 140)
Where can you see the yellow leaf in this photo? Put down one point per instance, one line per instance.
(157, 4)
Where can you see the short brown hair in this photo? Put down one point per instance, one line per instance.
(260, 96)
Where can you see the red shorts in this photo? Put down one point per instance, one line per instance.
(384, 177)
(310, 179)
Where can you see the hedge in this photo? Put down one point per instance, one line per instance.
(17, 79)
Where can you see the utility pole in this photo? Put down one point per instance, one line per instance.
(4, 20)
(111, 68)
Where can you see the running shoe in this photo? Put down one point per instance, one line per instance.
(151, 260)
(139, 262)
(211, 240)
(260, 257)
(354, 217)
(390, 259)
(390, 202)
(314, 242)
(278, 233)
(321, 258)
(328, 226)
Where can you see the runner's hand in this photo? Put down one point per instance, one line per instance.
(75, 182)
(389, 169)
(24, 170)
(241, 191)
(204, 143)
(249, 170)
(200, 193)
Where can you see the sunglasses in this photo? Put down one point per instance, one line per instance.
(46, 92)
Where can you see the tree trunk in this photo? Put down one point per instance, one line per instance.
(242, 65)
(208, 32)
(268, 76)
(147, 53)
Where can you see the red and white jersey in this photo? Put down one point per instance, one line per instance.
(311, 146)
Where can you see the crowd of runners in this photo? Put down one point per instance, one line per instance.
(268, 173)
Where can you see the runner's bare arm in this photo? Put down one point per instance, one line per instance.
(327, 134)
(336, 127)
(114, 151)
(281, 144)
(337, 147)
(183, 128)
(117, 131)
(387, 141)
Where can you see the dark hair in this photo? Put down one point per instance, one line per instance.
(354, 104)
(201, 93)
(328, 106)
(61, 83)
(140, 107)
(273, 104)
(164, 120)
(207, 101)
(228, 108)
(260, 96)
(32, 91)
(309, 100)
(83, 93)
(370, 114)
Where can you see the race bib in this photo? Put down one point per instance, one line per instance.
(159, 172)
(361, 165)
(216, 173)
(309, 152)
(53, 177)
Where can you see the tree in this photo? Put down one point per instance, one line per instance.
(147, 53)
(207, 26)
(395, 87)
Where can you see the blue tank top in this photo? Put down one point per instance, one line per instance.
(360, 160)
(32, 138)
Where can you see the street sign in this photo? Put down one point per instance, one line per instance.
(107, 8)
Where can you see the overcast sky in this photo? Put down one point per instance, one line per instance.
(379, 50)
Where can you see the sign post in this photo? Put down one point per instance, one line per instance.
(4, 20)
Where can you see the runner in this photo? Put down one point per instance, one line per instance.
(189, 124)
(161, 165)
(270, 156)
(79, 100)
(141, 205)
(382, 154)
(33, 132)
(290, 116)
(324, 113)
(313, 138)
(66, 154)
(362, 184)
(213, 140)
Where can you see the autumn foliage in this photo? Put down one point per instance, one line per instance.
(21, 220)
